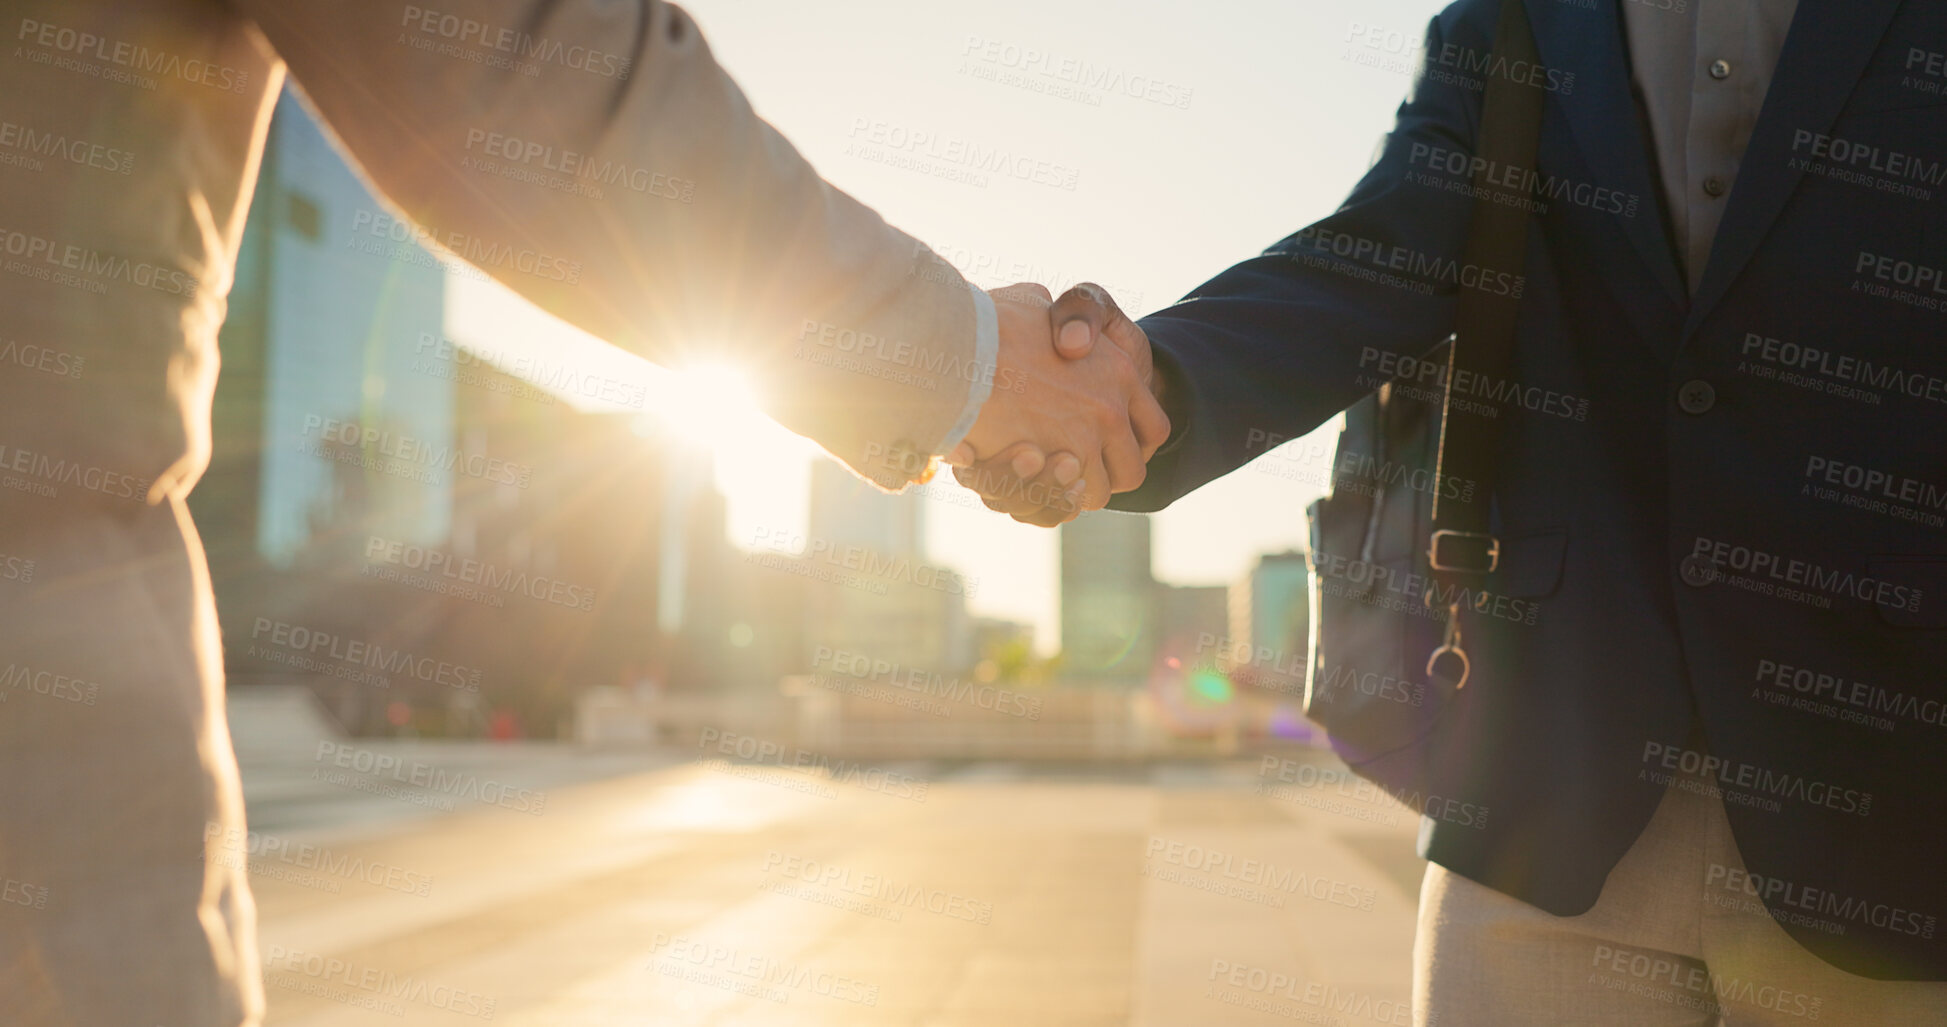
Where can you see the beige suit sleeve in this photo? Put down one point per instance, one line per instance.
(593, 156)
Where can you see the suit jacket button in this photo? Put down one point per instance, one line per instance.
(1696, 396)
(1697, 570)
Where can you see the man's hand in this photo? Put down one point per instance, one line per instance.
(1019, 479)
(1095, 411)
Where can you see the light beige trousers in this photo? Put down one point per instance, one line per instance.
(123, 900)
(1668, 943)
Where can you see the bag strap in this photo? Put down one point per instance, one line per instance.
(1462, 550)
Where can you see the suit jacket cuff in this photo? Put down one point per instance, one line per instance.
(1183, 403)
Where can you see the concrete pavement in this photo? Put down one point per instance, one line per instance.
(538, 885)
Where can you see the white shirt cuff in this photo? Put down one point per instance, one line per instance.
(987, 348)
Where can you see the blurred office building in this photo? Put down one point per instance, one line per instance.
(868, 587)
(432, 545)
(1109, 628)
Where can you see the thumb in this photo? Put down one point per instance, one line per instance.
(1079, 317)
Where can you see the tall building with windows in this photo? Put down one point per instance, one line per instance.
(342, 301)
(471, 548)
(869, 588)
(315, 390)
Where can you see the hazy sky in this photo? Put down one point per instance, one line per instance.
(1258, 119)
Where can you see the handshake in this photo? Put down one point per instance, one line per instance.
(1084, 423)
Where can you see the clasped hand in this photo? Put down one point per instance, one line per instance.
(1097, 409)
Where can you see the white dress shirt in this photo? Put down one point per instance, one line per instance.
(1702, 68)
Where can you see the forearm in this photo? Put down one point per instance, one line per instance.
(596, 159)
(1278, 344)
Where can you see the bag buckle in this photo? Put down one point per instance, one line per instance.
(1449, 665)
(1444, 558)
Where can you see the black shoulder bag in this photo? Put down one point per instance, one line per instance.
(1393, 553)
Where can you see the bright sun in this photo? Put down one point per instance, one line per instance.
(713, 407)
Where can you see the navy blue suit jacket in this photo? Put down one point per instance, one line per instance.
(1726, 510)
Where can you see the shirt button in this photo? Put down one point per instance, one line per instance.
(1697, 570)
(1696, 396)
(1713, 186)
(1720, 69)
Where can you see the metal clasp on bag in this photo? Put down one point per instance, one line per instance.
(1450, 648)
(1493, 552)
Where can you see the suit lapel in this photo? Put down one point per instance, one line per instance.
(1824, 54)
(1601, 112)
